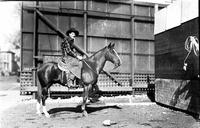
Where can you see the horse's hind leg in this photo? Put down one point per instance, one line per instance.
(38, 97)
(44, 97)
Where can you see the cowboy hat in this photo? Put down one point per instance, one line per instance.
(72, 30)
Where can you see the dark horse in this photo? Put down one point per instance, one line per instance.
(49, 73)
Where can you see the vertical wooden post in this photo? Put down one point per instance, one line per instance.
(35, 46)
(155, 8)
(132, 46)
(85, 26)
(21, 51)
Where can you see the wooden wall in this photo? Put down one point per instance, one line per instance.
(170, 50)
(129, 24)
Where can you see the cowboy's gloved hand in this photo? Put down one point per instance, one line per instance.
(80, 57)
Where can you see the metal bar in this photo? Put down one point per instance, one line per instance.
(132, 46)
(114, 79)
(21, 52)
(85, 27)
(94, 14)
(35, 46)
(62, 35)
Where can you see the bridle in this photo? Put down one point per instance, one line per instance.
(89, 66)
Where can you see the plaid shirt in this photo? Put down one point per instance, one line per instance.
(67, 47)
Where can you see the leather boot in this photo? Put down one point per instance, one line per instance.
(63, 60)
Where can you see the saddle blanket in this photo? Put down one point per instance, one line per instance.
(71, 64)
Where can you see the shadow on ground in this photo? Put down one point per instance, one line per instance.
(77, 109)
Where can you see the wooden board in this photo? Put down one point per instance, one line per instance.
(182, 94)
(174, 86)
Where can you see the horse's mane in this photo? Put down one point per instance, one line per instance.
(93, 55)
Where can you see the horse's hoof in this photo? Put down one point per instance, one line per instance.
(47, 115)
(85, 114)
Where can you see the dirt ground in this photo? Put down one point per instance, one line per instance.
(123, 111)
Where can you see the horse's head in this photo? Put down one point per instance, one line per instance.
(112, 56)
(192, 43)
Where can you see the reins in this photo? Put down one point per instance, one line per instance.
(89, 66)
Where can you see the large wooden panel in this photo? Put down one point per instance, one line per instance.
(77, 22)
(97, 27)
(27, 61)
(106, 21)
(144, 30)
(48, 42)
(27, 41)
(174, 86)
(95, 44)
(144, 47)
(72, 4)
(64, 23)
(126, 64)
(182, 94)
(97, 6)
(142, 10)
(50, 4)
(144, 64)
(121, 46)
(144, 56)
(152, 64)
(28, 3)
(141, 63)
(108, 28)
(117, 28)
(43, 27)
(27, 21)
(119, 8)
(79, 42)
(170, 45)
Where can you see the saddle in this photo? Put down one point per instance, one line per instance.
(71, 65)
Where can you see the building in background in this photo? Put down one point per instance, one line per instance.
(8, 65)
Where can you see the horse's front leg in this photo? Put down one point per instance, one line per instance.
(85, 97)
(44, 97)
(39, 95)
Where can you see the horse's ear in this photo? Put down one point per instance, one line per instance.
(111, 45)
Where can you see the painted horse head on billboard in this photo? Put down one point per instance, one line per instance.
(191, 61)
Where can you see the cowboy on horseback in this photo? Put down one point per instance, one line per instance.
(70, 56)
